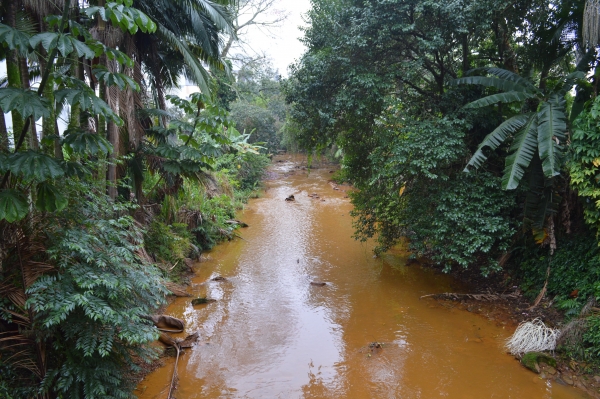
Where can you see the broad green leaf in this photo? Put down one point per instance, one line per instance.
(172, 167)
(49, 198)
(88, 100)
(507, 97)
(91, 11)
(523, 148)
(83, 141)
(47, 39)
(497, 137)
(13, 205)
(513, 77)
(64, 45)
(34, 165)
(14, 39)
(25, 102)
(192, 154)
(167, 151)
(83, 50)
(113, 78)
(75, 169)
(119, 56)
(550, 132)
(501, 84)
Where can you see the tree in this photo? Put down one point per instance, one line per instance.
(251, 14)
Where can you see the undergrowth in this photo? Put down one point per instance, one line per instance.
(573, 284)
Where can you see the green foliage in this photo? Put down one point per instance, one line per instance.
(259, 109)
(574, 266)
(591, 339)
(168, 243)
(542, 132)
(574, 279)
(93, 306)
(13, 205)
(25, 102)
(584, 165)
(419, 193)
(245, 170)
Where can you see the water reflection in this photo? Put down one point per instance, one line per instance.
(272, 334)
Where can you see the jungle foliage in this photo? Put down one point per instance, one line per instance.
(105, 179)
(468, 127)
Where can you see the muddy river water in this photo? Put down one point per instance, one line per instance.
(366, 334)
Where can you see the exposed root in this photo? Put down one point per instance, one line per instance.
(532, 336)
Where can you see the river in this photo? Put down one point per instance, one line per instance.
(365, 334)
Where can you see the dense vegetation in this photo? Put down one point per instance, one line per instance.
(107, 182)
(469, 127)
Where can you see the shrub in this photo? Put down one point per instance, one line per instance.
(91, 310)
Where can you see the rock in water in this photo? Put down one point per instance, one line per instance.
(318, 283)
(290, 198)
(203, 300)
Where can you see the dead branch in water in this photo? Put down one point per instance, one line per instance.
(476, 297)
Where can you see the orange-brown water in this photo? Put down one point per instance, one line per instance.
(273, 335)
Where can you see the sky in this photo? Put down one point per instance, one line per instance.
(282, 44)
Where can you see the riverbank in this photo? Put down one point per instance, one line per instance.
(505, 305)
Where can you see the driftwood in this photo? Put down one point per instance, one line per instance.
(189, 341)
(167, 323)
(476, 297)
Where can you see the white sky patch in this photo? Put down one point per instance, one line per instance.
(282, 44)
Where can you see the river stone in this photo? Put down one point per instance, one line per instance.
(201, 301)
(531, 360)
(551, 370)
(567, 379)
(560, 381)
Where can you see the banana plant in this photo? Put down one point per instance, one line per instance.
(541, 131)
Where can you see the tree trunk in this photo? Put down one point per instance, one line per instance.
(33, 141)
(3, 133)
(465, 54)
(12, 66)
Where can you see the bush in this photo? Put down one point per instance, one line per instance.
(168, 243)
(574, 280)
(575, 266)
(91, 309)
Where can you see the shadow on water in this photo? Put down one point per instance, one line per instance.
(365, 334)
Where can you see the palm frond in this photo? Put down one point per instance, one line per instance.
(200, 74)
(513, 77)
(501, 84)
(507, 97)
(522, 150)
(218, 14)
(497, 137)
(550, 131)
